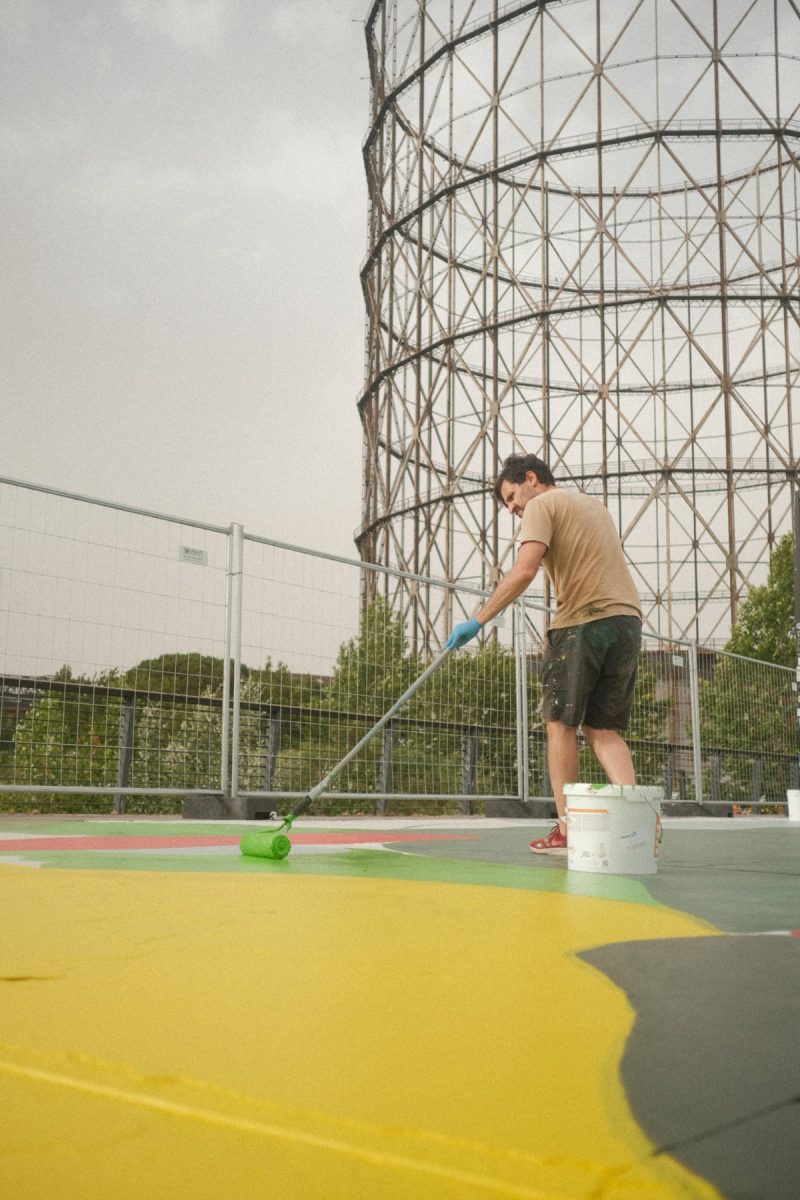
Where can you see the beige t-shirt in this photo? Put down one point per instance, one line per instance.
(584, 558)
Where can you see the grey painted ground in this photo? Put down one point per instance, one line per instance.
(742, 878)
(712, 1065)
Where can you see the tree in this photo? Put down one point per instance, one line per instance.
(285, 693)
(472, 698)
(764, 626)
(160, 756)
(178, 674)
(374, 668)
(68, 740)
(747, 709)
(180, 745)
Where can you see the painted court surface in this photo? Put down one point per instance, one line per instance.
(399, 1009)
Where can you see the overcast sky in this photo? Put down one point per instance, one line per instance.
(183, 223)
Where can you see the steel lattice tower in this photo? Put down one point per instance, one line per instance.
(583, 243)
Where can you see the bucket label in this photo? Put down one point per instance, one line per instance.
(633, 841)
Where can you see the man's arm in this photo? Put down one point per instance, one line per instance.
(510, 586)
(520, 577)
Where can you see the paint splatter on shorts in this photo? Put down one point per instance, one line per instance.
(589, 672)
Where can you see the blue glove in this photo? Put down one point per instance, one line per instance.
(462, 634)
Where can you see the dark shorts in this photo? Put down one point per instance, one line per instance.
(589, 672)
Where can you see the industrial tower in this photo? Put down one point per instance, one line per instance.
(583, 243)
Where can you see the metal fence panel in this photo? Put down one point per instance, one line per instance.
(113, 630)
(748, 731)
(328, 647)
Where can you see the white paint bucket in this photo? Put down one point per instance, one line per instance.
(613, 828)
(793, 803)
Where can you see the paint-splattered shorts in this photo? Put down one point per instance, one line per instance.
(589, 672)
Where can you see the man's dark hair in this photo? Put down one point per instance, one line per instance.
(516, 467)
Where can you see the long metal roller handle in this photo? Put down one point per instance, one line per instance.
(320, 787)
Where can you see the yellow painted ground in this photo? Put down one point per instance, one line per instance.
(207, 1036)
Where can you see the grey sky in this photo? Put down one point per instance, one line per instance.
(183, 222)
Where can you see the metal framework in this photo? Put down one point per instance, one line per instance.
(583, 243)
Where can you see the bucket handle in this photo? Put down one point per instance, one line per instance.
(659, 826)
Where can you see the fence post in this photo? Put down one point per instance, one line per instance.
(386, 768)
(521, 673)
(669, 771)
(796, 563)
(237, 533)
(126, 723)
(697, 749)
(271, 752)
(716, 776)
(225, 714)
(469, 769)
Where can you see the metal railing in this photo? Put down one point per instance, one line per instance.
(149, 658)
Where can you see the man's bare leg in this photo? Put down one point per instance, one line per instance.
(562, 763)
(613, 754)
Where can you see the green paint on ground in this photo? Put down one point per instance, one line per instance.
(739, 881)
(376, 864)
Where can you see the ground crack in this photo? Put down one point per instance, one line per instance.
(697, 1138)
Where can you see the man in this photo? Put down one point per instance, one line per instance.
(592, 652)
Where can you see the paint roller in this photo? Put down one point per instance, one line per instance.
(275, 843)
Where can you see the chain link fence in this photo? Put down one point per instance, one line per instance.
(151, 662)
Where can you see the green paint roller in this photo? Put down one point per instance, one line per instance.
(274, 843)
(267, 843)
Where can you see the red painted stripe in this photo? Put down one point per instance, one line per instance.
(26, 845)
